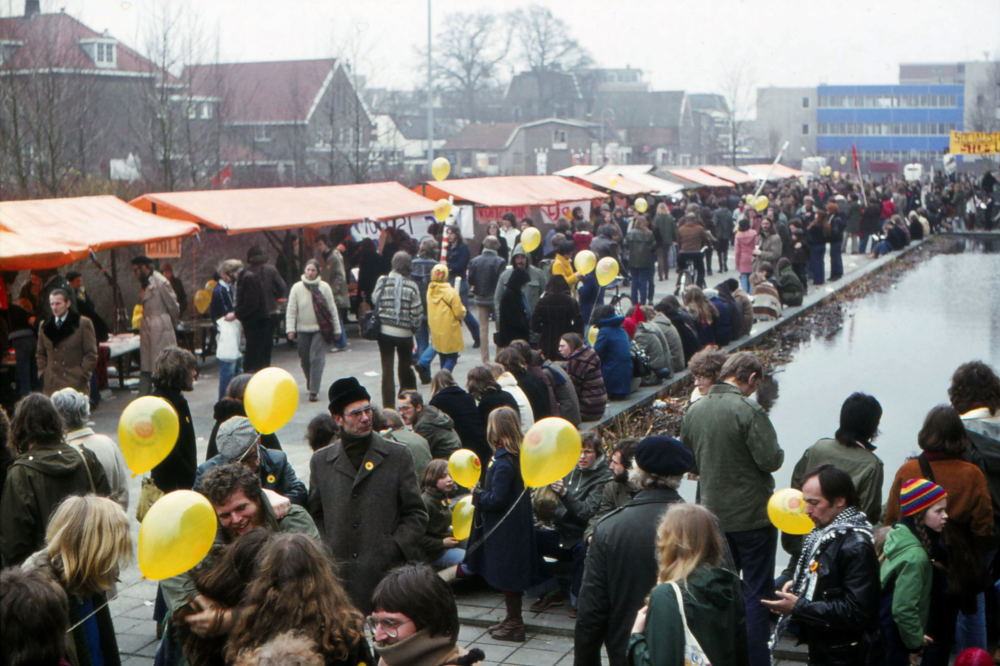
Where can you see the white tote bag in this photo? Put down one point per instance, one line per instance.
(693, 654)
(228, 346)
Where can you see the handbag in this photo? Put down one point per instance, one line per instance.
(693, 654)
(148, 495)
(368, 322)
(228, 345)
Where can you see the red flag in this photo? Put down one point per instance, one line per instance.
(855, 151)
(223, 177)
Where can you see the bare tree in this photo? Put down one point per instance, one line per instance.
(737, 85)
(545, 44)
(984, 115)
(467, 56)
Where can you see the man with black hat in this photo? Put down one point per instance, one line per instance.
(160, 314)
(621, 564)
(364, 497)
(239, 442)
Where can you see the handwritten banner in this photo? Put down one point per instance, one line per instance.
(167, 249)
(974, 143)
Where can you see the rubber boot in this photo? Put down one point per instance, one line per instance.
(512, 629)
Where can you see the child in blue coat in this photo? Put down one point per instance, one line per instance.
(615, 350)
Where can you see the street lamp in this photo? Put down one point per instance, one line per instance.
(430, 96)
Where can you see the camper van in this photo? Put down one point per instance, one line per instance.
(913, 172)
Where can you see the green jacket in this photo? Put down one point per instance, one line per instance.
(715, 614)
(439, 430)
(673, 338)
(439, 508)
(791, 287)
(735, 450)
(615, 495)
(641, 245)
(852, 217)
(37, 481)
(180, 590)
(584, 489)
(417, 445)
(668, 228)
(651, 340)
(863, 466)
(907, 564)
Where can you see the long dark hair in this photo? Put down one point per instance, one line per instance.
(36, 421)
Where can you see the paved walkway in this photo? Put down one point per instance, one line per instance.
(550, 633)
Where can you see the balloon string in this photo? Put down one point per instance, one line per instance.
(108, 601)
(487, 535)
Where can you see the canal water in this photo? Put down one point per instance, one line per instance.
(901, 347)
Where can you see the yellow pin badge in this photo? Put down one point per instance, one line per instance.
(369, 466)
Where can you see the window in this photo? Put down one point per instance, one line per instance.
(805, 102)
(559, 140)
(261, 133)
(192, 111)
(206, 111)
(105, 53)
(805, 128)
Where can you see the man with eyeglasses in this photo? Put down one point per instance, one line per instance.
(239, 442)
(363, 496)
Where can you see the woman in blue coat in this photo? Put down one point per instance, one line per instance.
(615, 350)
(508, 559)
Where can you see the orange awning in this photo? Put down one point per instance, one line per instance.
(780, 172)
(276, 208)
(700, 177)
(46, 233)
(728, 173)
(510, 191)
(623, 185)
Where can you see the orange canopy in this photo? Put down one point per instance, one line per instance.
(728, 173)
(780, 171)
(623, 185)
(510, 191)
(47, 233)
(700, 177)
(275, 208)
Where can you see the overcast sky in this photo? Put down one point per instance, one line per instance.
(678, 44)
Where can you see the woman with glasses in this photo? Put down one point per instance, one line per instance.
(295, 589)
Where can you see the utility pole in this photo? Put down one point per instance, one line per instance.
(430, 96)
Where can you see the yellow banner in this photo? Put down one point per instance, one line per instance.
(974, 143)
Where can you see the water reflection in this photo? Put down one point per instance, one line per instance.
(901, 346)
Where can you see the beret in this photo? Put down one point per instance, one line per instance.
(663, 456)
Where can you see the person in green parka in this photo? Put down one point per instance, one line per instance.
(792, 290)
(907, 574)
(437, 546)
(664, 223)
(712, 622)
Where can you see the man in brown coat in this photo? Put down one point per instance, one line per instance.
(363, 496)
(67, 347)
(160, 315)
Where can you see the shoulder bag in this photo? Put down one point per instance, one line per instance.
(693, 654)
(368, 322)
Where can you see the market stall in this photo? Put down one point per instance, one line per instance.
(728, 173)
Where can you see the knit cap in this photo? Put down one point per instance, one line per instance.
(919, 494)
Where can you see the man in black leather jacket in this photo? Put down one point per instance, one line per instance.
(835, 595)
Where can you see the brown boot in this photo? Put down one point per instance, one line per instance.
(503, 623)
(511, 629)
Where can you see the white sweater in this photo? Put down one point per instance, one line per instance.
(300, 317)
(508, 383)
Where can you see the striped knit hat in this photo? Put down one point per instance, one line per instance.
(919, 494)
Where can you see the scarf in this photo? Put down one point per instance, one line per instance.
(397, 296)
(804, 581)
(322, 309)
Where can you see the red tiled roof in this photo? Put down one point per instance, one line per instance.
(52, 40)
(485, 136)
(262, 92)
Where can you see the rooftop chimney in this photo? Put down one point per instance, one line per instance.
(31, 8)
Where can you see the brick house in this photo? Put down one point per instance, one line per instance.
(512, 149)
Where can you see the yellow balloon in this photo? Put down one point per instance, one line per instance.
(176, 534)
(592, 335)
(147, 432)
(210, 286)
(461, 518)
(843, 160)
(607, 270)
(531, 238)
(760, 203)
(202, 299)
(464, 467)
(613, 181)
(549, 451)
(641, 205)
(836, 174)
(271, 398)
(136, 316)
(585, 261)
(786, 509)
(442, 209)
(440, 167)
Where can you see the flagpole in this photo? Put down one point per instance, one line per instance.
(861, 183)
(771, 170)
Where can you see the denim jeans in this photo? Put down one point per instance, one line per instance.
(864, 244)
(228, 370)
(836, 260)
(27, 365)
(470, 319)
(340, 341)
(547, 543)
(450, 557)
(816, 255)
(745, 282)
(448, 361)
(753, 553)
(423, 338)
(643, 284)
(970, 630)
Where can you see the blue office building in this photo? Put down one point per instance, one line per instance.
(900, 123)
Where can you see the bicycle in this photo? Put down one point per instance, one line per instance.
(689, 275)
(622, 303)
